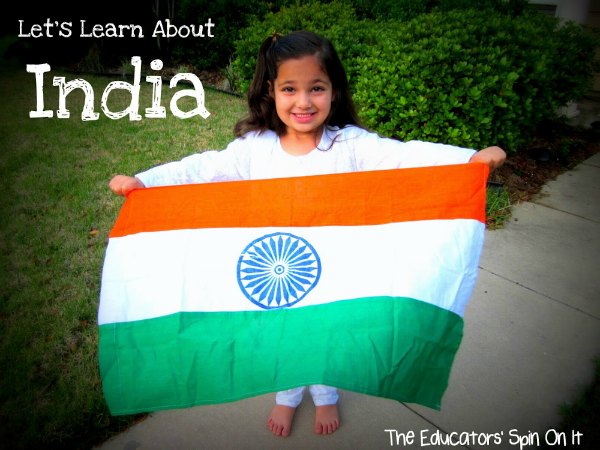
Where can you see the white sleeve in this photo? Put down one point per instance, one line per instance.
(373, 152)
(229, 164)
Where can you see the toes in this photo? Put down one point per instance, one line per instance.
(280, 420)
(325, 428)
(327, 419)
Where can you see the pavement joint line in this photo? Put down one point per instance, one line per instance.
(539, 203)
(541, 294)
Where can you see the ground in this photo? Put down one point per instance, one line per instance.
(556, 148)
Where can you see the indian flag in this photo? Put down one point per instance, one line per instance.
(221, 291)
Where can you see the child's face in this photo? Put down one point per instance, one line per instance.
(303, 94)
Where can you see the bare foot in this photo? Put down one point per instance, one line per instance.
(327, 419)
(280, 420)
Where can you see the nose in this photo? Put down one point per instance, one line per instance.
(303, 100)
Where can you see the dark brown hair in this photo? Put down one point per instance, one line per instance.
(275, 50)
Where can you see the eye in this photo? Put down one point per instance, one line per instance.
(287, 89)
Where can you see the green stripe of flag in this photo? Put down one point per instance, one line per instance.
(405, 348)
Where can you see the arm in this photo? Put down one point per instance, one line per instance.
(492, 156)
(374, 152)
(229, 164)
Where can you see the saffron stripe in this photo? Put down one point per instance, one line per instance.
(405, 349)
(359, 198)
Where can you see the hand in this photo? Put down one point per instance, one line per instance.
(123, 185)
(492, 156)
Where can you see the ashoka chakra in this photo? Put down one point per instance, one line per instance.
(278, 270)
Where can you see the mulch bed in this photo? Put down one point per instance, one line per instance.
(555, 149)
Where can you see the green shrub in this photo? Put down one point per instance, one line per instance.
(336, 20)
(229, 16)
(464, 77)
(511, 7)
(471, 78)
(389, 9)
(574, 48)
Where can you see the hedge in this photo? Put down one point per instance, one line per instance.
(464, 77)
(471, 78)
(336, 20)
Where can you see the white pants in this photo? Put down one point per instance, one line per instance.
(321, 395)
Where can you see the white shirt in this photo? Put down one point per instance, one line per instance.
(260, 155)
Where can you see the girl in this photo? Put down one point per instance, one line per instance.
(301, 121)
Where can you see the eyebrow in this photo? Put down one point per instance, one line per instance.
(316, 80)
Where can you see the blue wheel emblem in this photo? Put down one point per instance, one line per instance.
(278, 270)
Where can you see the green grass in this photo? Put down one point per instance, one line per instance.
(583, 415)
(55, 215)
(497, 207)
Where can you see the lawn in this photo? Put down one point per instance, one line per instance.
(55, 215)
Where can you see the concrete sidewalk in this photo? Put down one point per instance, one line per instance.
(532, 330)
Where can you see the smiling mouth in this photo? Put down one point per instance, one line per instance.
(303, 116)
